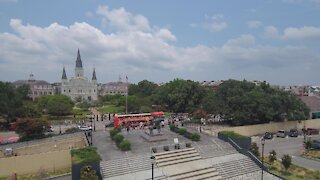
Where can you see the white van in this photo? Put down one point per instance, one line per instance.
(281, 133)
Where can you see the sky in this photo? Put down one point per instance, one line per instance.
(160, 40)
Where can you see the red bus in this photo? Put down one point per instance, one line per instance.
(134, 120)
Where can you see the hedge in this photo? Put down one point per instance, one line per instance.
(125, 145)
(85, 155)
(233, 135)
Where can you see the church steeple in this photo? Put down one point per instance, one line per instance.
(64, 75)
(78, 62)
(78, 69)
(94, 77)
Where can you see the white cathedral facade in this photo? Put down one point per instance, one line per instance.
(79, 87)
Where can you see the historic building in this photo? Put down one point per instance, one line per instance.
(37, 87)
(113, 88)
(79, 87)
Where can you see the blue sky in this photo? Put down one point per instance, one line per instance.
(272, 40)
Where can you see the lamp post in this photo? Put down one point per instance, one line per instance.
(59, 127)
(262, 165)
(152, 165)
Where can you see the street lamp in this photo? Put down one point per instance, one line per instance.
(152, 165)
(59, 127)
(262, 165)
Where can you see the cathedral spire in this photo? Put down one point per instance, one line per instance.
(64, 75)
(78, 62)
(94, 77)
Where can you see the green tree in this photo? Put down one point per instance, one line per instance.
(286, 161)
(143, 88)
(255, 149)
(180, 95)
(31, 129)
(272, 156)
(11, 103)
(56, 105)
(88, 173)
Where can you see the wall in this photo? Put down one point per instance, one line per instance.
(270, 127)
(29, 164)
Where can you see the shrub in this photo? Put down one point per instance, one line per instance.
(272, 156)
(166, 148)
(286, 161)
(85, 155)
(195, 137)
(87, 172)
(154, 150)
(114, 131)
(125, 145)
(188, 145)
(72, 130)
(255, 149)
(182, 131)
(233, 135)
(172, 127)
(118, 138)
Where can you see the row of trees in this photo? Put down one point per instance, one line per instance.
(238, 102)
(15, 103)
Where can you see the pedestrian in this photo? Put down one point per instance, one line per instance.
(128, 129)
(162, 123)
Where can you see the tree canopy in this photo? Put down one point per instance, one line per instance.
(243, 102)
(56, 105)
(12, 101)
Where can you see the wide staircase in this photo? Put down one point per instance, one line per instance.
(176, 157)
(117, 167)
(185, 164)
(236, 168)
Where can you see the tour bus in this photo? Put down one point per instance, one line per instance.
(134, 120)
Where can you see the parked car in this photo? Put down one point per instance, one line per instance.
(50, 129)
(268, 135)
(293, 133)
(316, 144)
(312, 131)
(85, 128)
(281, 133)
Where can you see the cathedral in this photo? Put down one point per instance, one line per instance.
(79, 87)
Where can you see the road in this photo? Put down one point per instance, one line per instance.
(289, 145)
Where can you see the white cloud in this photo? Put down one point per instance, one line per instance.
(165, 34)
(245, 40)
(303, 33)
(271, 32)
(122, 19)
(254, 24)
(141, 53)
(215, 26)
(217, 17)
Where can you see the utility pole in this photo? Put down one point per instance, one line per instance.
(127, 95)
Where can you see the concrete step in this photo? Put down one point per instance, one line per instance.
(175, 154)
(193, 171)
(173, 151)
(178, 161)
(194, 174)
(186, 156)
(211, 175)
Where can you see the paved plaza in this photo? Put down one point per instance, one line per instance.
(210, 156)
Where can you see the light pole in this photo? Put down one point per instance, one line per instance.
(59, 127)
(262, 165)
(152, 165)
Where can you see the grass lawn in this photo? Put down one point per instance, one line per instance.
(111, 109)
(40, 175)
(312, 154)
(294, 172)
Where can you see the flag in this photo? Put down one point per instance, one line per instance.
(127, 78)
